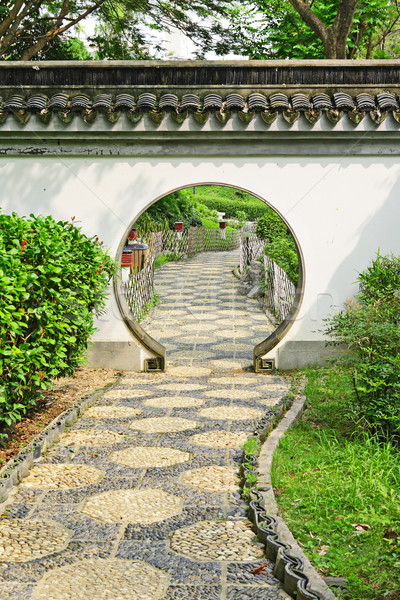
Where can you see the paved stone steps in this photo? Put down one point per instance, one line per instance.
(139, 499)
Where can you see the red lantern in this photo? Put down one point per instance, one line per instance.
(133, 234)
(178, 226)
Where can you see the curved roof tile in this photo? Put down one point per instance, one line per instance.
(291, 106)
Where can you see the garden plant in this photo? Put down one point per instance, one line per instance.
(53, 279)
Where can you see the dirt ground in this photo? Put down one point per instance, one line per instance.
(63, 394)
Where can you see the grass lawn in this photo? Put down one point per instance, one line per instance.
(339, 490)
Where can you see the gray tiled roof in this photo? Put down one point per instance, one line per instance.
(335, 105)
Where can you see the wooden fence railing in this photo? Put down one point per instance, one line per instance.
(251, 247)
(192, 241)
(139, 289)
(280, 291)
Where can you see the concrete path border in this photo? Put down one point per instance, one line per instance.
(271, 507)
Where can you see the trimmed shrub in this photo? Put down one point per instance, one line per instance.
(52, 278)
(279, 244)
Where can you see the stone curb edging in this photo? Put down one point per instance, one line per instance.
(292, 567)
(18, 467)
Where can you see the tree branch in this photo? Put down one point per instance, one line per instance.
(310, 18)
(9, 36)
(58, 28)
(5, 24)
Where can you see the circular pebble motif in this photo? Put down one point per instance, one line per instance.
(226, 541)
(198, 354)
(234, 346)
(197, 340)
(126, 393)
(202, 317)
(140, 380)
(269, 401)
(91, 437)
(212, 479)
(109, 579)
(275, 389)
(167, 333)
(189, 371)
(146, 457)
(181, 387)
(220, 439)
(163, 424)
(233, 394)
(232, 333)
(22, 540)
(196, 327)
(231, 413)
(240, 321)
(133, 506)
(173, 402)
(234, 380)
(231, 364)
(112, 412)
(61, 476)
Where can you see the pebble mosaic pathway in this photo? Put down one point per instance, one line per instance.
(202, 315)
(139, 500)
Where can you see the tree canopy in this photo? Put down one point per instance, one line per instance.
(126, 29)
(315, 29)
(129, 29)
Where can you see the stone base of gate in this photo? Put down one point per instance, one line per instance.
(301, 354)
(126, 356)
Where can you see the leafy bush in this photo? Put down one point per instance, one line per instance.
(283, 252)
(145, 225)
(174, 207)
(271, 226)
(369, 326)
(280, 244)
(52, 278)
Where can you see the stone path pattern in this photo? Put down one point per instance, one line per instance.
(139, 500)
(201, 318)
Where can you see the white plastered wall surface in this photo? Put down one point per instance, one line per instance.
(341, 209)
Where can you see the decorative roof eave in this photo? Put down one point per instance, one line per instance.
(131, 108)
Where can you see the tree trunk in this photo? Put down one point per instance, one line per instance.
(334, 37)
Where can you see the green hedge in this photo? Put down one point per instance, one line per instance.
(279, 244)
(234, 203)
(52, 278)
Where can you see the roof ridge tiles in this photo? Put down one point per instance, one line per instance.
(290, 105)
